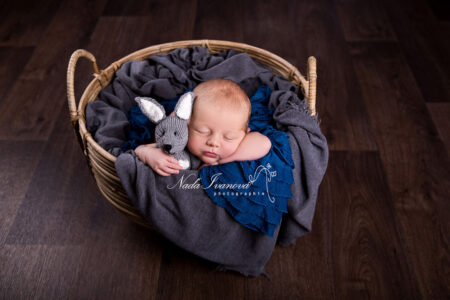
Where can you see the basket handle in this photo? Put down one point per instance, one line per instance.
(312, 84)
(74, 114)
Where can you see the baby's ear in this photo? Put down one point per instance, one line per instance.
(183, 109)
(151, 109)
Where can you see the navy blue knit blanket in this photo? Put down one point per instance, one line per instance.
(254, 193)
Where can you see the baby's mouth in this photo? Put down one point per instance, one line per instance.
(210, 154)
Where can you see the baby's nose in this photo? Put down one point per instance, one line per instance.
(212, 142)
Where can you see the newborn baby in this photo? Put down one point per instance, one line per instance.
(218, 130)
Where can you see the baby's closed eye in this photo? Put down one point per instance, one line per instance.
(230, 137)
(203, 131)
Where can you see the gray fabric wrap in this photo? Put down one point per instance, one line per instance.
(189, 218)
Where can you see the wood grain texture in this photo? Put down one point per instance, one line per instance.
(219, 20)
(122, 263)
(38, 271)
(82, 271)
(364, 21)
(423, 46)
(299, 271)
(115, 37)
(18, 161)
(183, 275)
(60, 194)
(440, 113)
(24, 22)
(12, 60)
(175, 11)
(31, 117)
(366, 254)
(414, 158)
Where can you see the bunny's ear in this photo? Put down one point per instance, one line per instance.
(183, 109)
(151, 108)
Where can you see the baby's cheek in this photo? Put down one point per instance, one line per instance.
(192, 145)
(229, 149)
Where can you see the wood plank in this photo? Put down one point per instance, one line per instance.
(313, 28)
(299, 271)
(63, 209)
(38, 271)
(366, 252)
(69, 30)
(33, 117)
(123, 270)
(364, 21)
(18, 161)
(24, 113)
(23, 24)
(61, 194)
(121, 264)
(12, 60)
(179, 10)
(219, 20)
(116, 37)
(184, 275)
(423, 46)
(278, 32)
(414, 159)
(439, 113)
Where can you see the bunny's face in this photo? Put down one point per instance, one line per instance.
(171, 135)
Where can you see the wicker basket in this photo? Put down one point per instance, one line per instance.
(101, 162)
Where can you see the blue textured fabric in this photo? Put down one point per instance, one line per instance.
(255, 193)
(139, 131)
(259, 205)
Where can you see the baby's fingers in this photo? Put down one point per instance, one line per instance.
(174, 164)
(170, 170)
(161, 172)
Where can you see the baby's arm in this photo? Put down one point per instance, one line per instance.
(162, 163)
(254, 145)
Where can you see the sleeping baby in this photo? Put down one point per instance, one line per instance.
(218, 130)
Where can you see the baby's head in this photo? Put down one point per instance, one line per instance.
(219, 120)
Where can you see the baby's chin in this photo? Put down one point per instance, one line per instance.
(209, 160)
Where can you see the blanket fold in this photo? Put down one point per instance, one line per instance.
(174, 205)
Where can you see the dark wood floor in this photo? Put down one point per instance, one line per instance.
(381, 228)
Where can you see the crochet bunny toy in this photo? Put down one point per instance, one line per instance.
(171, 132)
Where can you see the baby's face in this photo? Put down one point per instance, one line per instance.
(215, 132)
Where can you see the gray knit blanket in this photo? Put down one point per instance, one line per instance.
(188, 217)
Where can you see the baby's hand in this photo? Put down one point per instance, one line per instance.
(162, 163)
